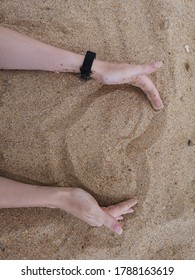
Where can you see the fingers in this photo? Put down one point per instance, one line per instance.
(121, 208)
(119, 218)
(149, 89)
(125, 205)
(146, 69)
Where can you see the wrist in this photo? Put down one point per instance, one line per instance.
(59, 198)
(76, 61)
(72, 62)
(98, 70)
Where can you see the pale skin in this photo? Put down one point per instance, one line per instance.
(19, 52)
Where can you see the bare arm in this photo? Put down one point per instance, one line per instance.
(15, 195)
(20, 52)
(73, 200)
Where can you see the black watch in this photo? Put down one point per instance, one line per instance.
(87, 64)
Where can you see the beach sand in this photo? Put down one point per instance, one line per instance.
(56, 130)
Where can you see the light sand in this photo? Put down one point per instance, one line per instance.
(106, 139)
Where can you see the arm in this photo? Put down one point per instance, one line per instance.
(15, 195)
(20, 52)
(73, 200)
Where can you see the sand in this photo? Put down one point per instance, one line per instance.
(107, 140)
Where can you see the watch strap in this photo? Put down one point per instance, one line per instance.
(87, 64)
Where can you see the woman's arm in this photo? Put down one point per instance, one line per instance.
(19, 52)
(72, 200)
(15, 195)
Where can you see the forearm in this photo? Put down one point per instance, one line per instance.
(20, 52)
(15, 194)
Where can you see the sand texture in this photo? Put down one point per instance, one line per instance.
(55, 130)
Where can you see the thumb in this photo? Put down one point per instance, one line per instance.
(112, 223)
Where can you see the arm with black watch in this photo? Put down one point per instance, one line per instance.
(31, 54)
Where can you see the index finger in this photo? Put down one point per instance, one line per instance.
(149, 89)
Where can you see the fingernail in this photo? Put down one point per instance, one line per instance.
(134, 200)
(118, 229)
(158, 64)
(159, 105)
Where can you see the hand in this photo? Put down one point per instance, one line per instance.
(135, 75)
(83, 206)
(30, 54)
